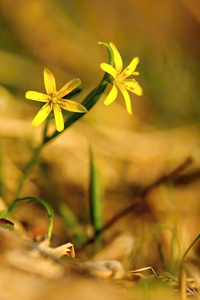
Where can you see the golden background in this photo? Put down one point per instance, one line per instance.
(134, 151)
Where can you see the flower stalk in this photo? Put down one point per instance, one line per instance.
(87, 103)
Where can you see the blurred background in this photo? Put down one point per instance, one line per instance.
(134, 151)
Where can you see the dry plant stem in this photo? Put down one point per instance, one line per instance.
(182, 283)
(170, 177)
(145, 269)
(188, 162)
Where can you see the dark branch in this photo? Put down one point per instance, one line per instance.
(140, 196)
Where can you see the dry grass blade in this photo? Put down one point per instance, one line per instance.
(145, 269)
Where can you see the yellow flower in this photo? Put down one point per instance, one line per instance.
(120, 80)
(54, 100)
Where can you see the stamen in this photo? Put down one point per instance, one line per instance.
(54, 100)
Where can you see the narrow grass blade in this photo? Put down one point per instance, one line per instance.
(95, 195)
(73, 227)
(47, 206)
(188, 249)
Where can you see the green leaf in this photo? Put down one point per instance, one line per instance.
(46, 205)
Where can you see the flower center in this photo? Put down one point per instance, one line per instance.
(54, 100)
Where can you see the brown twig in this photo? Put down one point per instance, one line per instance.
(174, 174)
(141, 195)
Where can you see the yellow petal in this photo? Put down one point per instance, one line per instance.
(127, 99)
(37, 96)
(117, 58)
(58, 117)
(68, 87)
(42, 115)
(72, 106)
(49, 82)
(111, 96)
(108, 69)
(130, 69)
(133, 87)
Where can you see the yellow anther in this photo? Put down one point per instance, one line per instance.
(54, 100)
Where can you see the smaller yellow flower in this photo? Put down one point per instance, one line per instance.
(120, 80)
(54, 100)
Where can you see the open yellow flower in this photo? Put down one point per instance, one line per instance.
(54, 100)
(120, 80)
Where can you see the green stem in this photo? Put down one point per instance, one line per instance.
(32, 161)
(28, 169)
(96, 200)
